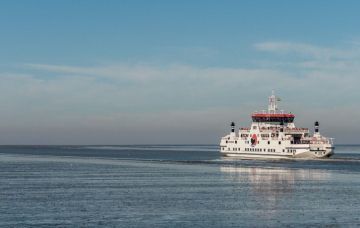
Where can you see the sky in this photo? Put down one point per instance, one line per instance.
(174, 72)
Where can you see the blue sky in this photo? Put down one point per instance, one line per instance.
(125, 72)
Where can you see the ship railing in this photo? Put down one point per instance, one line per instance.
(269, 128)
(320, 141)
(266, 132)
(296, 130)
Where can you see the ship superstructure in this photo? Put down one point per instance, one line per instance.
(273, 134)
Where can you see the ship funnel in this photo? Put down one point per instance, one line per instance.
(316, 126)
(232, 127)
(282, 126)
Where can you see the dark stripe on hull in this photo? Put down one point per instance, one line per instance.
(297, 148)
(263, 155)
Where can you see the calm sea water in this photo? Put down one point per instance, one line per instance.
(174, 186)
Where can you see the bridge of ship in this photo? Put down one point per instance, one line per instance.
(273, 117)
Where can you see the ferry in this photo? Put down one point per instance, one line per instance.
(273, 135)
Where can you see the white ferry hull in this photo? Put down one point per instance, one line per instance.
(257, 156)
(309, 154)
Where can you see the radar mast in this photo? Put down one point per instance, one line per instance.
(273, 100)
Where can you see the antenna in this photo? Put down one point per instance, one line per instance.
(273, 103)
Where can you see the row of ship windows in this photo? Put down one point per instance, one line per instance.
(261, 150)
(262, 135)
(258, 142)
(248, 142)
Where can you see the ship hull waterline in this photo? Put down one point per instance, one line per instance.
(303, 155)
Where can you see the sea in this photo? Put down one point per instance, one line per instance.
(174, 186)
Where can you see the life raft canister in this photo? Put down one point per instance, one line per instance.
(253, 140)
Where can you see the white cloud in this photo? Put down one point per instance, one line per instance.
(286, 47)
(174, 75)
(310, 50)
(169, 101)
(343, 62)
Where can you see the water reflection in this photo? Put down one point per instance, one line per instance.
(271, 188)
(272, 176)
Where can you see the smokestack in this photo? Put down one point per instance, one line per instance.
(232, 127)
(316, 126)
